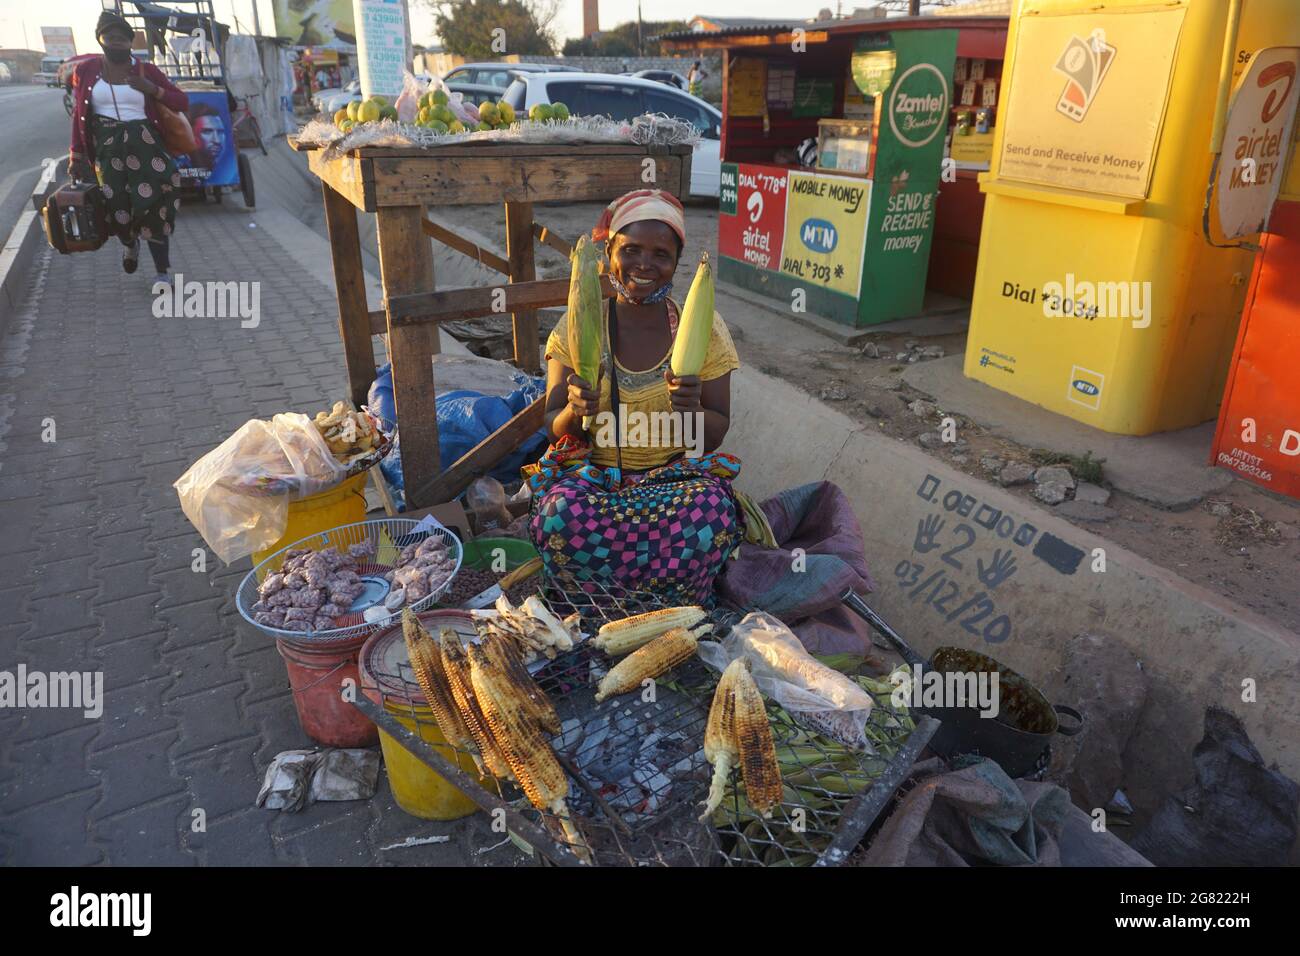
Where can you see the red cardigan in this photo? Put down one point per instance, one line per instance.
(84, 77)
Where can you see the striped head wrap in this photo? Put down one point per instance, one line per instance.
(638, 206)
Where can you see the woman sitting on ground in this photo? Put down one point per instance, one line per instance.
(643, 500)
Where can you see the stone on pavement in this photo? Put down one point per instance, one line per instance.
(1016, 473)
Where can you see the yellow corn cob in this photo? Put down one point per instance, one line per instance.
(720, 735)
(501, 651)
(654, 659)
(426, 661)
(758, 763)
(623, 637)
(456, 666)
(696, 328)
(515, 730)
(585, 328)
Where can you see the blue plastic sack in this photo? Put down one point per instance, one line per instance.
(465, 418)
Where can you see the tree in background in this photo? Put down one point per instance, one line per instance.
(466, 27)
(621, 41)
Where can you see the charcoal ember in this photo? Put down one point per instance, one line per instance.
(365, 550)
(309, 597)
(282, 598)
(330, 609)
(273, 583)
(307, 614)
(270, 618)
(295, 579)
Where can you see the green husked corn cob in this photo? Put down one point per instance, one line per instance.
(586, 335)
(692, 343)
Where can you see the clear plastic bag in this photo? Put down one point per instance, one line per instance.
(816, 696)
(486, 498)
(237, 495)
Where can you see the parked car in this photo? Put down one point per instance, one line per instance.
(622, 98)
(331, 101)
(667, 77)
(476, 93)
(499, 75)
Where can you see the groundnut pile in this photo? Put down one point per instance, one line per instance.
(312, 588)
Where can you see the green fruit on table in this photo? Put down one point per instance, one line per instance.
(456, 127)
(540, 113)
(379, 100)
(487, 113)
(506, 111)
(443, 113)
(388, 113)
(559, 111)
(368, 112)
(352, 110)
(340, 116)
(438, 126)
(483, 127)
(346, 125)
(439, 97)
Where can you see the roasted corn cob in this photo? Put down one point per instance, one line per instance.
(514, 728)
(654, 659)
(623, 637)
(501, 651)
(758, 763)
(585, 328)
(720, 736)
(426, 661)
(691, 346)
(456, 666)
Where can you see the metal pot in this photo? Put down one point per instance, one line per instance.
(1017, 738)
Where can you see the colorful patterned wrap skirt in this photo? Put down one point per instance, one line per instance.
(139, 179)
(667, 531)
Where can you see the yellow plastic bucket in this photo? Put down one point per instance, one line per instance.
(387, 679)
(343, 504)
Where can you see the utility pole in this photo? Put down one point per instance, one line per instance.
(640, 49)
(257, 20)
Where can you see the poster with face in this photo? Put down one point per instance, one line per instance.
(213, 163)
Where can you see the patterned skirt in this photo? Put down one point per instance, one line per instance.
(667, 531)
(138, 176)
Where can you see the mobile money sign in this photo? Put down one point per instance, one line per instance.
(825, 219)
(909, 159)
(1087, 99)
(753, 200)
(1256, 139)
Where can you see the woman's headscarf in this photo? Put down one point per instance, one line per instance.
(641, 205)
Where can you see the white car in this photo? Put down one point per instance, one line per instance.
(331, 101)
(625, 97)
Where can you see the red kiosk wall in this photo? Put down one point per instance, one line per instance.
(1262, 379)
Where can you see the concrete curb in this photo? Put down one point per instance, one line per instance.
(21, 246)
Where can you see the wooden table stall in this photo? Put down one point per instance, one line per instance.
(397, 184)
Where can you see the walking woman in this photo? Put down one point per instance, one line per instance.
(651, 515)
(116, 136)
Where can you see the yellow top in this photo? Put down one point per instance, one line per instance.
(650, 436)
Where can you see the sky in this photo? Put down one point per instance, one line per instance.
(81, 16)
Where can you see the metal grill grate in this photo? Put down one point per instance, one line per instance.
(638, 776)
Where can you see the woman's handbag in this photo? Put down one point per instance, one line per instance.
(76, 218)
(177, 134)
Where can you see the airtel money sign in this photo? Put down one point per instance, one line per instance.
(1255, 141)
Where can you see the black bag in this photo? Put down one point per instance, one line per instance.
(76, 218)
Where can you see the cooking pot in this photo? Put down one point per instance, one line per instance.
(1017, 738)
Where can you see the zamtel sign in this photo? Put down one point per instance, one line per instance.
(818, 235)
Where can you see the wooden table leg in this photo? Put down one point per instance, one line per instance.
(519, 249)
(406, 265)
(350, 285)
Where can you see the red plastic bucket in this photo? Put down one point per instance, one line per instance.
(316, 675)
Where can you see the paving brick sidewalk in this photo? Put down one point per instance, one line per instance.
(95, 559)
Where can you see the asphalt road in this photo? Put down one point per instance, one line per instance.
(35, 126)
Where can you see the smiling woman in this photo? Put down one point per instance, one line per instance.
(647, 503)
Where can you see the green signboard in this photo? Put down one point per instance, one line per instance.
(813, 96)
(730, 188)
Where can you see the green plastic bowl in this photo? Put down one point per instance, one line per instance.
(478, 552)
